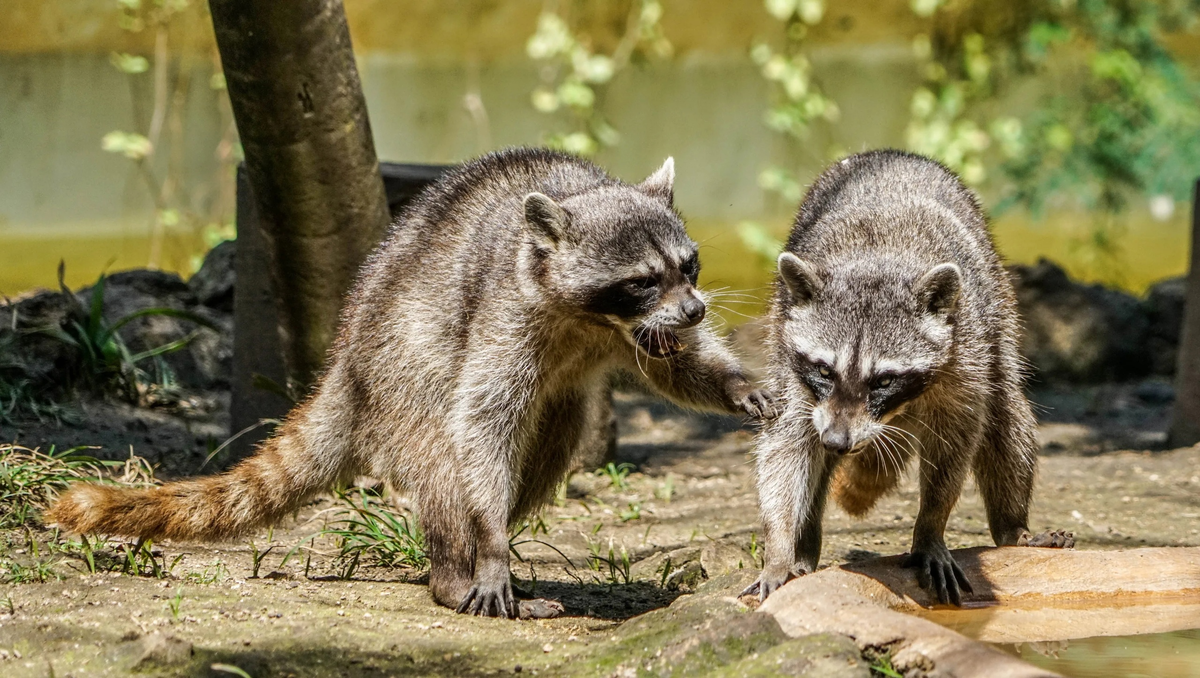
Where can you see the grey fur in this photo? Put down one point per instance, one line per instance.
(894, 334)
(477, 345)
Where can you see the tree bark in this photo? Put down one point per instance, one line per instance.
(290, 71)
(1185, 419)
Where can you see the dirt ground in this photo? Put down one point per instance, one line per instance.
(687, 516)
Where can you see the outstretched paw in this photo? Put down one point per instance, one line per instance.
(759, 404)
(939, 574)
(1052, 539)
(489, 600)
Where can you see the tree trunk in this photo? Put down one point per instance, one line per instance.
(1185, 420)
(290, 71)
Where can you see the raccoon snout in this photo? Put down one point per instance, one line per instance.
(837, 441)
(692, 310)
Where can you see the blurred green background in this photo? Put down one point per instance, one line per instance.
(1076, 120)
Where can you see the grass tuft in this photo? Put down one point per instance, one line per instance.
(618, 474)
(366, 529)
(30, 479)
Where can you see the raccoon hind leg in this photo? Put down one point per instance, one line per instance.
(863, 478)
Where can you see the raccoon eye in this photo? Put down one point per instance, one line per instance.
(884, 381)
(690, 269)
(825, 371)
(643, 283)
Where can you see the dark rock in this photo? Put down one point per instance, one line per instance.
(213, 284)
(27, 352)
(1077, 332)
(128, 292)
(1164, 309)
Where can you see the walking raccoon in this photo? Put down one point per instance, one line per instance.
(894, 333)
(472, 351)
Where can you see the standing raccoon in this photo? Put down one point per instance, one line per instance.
(894, 333)
(472, 352)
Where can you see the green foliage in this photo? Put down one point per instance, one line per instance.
(230, 669)
(758, 240)
(797, 102)
(257, 556)
(166, 123)
(1121, 118)
(611, 568)
(175, 603)
(1116, 117)
(575, 74)
(368, 528)
(534, 527)
(633, 512)
(20, 402)
(39, 571)
(211, 574)
(618, 474)
(107, 364)
(129, 144)
(29, 479)
(667, 490)
(881, 664)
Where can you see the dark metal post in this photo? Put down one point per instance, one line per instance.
(1185, 419)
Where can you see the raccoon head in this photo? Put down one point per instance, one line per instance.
(864, 339)
(619, 255)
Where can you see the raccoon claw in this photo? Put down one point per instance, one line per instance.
(759, 404)
(939, 574)
(1053, 539)
(766, 584)
(482, 600)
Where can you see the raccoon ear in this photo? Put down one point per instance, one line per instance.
(938, 290)
(661, 184)
(546, 219)
(801, 277)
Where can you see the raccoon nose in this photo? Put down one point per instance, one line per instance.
(837, 442)
(693, 310)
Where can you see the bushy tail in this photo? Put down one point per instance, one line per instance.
(279, 478)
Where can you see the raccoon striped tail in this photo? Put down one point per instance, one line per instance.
(279, 478)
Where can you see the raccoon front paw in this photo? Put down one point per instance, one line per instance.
(759, 404)
(486, 599)
(939, 574)
(768, 582)
(1053, 539)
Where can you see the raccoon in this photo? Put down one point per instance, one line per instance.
(472, 351)
(894, 334)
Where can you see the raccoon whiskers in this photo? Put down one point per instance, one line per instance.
(893, 445)
(730, 310)
(887, 454)
(637, 356)
(913, 441)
